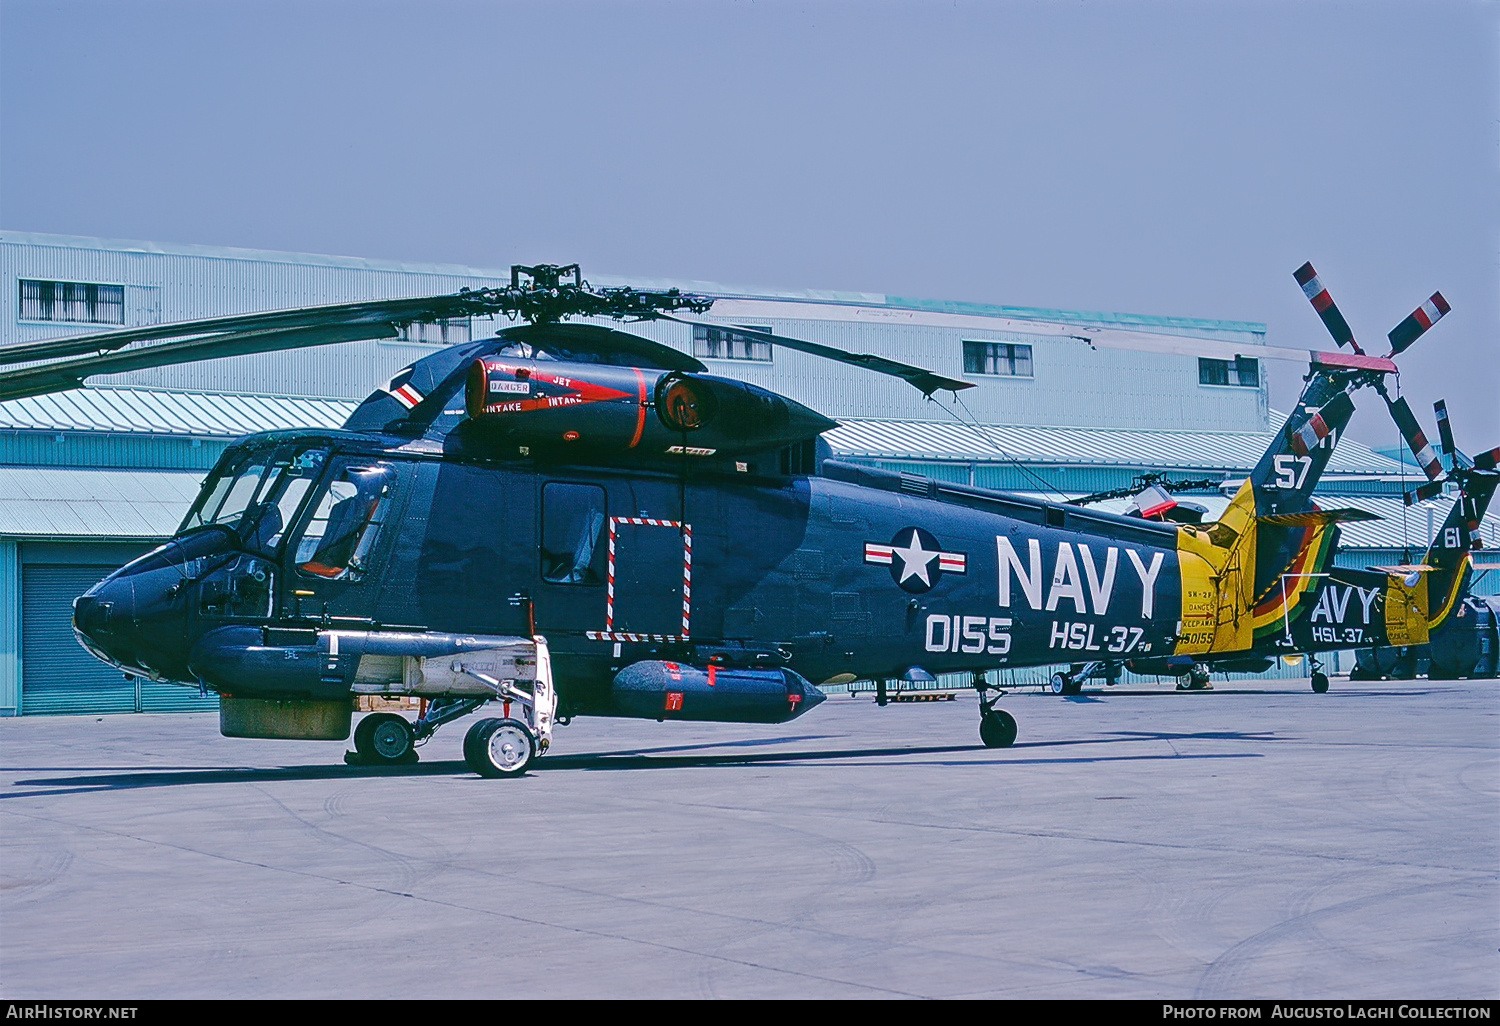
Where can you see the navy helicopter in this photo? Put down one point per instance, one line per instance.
(569, 519)
(1464, 629)
(1303, 604)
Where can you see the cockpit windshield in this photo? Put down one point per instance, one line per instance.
(257, 494)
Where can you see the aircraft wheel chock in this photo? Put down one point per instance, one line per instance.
(499, 748)
(1320, 682)
(385, 739)
(997, 729)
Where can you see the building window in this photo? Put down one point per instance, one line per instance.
(72, 301)
(1009, 359)
(450, 332)
(725, 344)
(1242, 371)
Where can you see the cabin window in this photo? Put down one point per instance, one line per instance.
(572, 527)
(341, 534)
(1003, 359)
(727, 344)
(1242, 371)
(75, 302)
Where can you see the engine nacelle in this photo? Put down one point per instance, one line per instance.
(657, 690)
(549, 407)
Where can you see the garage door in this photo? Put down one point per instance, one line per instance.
(57, 675)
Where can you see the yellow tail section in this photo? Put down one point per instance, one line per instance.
(1217, 566)
(1406, 611)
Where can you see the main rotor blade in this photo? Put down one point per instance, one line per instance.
(1322, 302)
(925, 380)
(1417, 322)
(1412, 432)
(66, 374)
(379, 312)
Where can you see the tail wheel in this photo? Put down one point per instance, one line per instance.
(997, 729)
(499, 748)
(385, 738)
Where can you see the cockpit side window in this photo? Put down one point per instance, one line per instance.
(258, 494)
(345, 524)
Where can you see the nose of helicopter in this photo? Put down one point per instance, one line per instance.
(135, 618)
(104, 621)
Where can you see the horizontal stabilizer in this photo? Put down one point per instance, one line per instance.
(1315, 517)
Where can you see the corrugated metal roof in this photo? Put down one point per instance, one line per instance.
(1240, 451)
(43, 502)
(160, 411)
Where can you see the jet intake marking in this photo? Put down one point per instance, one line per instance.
(916, 560)
(1068, 583)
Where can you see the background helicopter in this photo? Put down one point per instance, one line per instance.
(1344, 607)
(575, 520)
(1463, 638)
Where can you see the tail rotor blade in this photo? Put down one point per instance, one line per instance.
(1423, 493)
(1471, 513)
(1412, 432)
(1320, 425)
(1312, 288)
(1417, 323)
(1445, 430)
(1487, 460)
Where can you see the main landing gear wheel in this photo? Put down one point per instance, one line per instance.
(1196, 679)
(1320, 682)
(997, 729)
(1064, 684)
(499, 748)
(385, 739)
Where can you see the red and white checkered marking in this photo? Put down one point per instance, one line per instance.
(407, 396)
(609, 633)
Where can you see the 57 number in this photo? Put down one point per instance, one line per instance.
(1291, 471)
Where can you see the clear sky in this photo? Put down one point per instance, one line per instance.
(1153, 157)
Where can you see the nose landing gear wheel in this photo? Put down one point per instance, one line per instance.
(385, 739)
(1320, 682)
(499, 748)
(997, 729)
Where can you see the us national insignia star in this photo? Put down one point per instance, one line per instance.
(916, 559)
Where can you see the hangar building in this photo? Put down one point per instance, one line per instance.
(91, 477)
